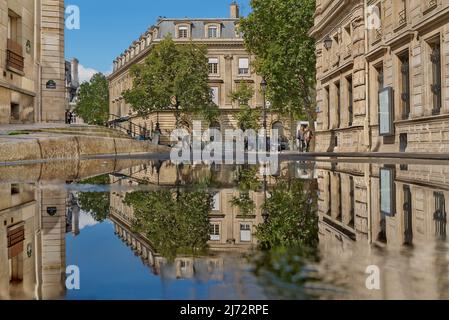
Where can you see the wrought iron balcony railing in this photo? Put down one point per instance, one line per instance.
(402, 17)
(14, 56)
(378, 34)
(432, 3)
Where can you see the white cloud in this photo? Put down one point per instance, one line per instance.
(86, 220)
(85, 74)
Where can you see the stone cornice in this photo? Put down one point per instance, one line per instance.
(338, 9)
(15, 88)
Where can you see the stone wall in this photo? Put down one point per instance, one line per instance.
(74, 147)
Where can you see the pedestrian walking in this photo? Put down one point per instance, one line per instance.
(308, 136)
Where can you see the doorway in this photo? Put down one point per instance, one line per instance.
(15, 112)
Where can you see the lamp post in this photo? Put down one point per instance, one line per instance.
(265, 214)
(263, 87)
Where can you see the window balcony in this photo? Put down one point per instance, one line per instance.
(402, 17)
(431, 4)
(378, 34)
(14, 56)
(348, 51)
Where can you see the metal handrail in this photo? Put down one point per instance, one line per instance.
(134, 130)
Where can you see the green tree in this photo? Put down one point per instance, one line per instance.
(172, 71)
(93, 104)
(276, 31)
(247, 117)
(292, 221)
(246, 181)
(174, 222)
(95, 203)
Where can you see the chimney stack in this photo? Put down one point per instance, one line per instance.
(235, 14)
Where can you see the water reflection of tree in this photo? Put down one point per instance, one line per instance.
(96, 203)
(292, 221)
(174, 222)
(246, 181)
(288, 239)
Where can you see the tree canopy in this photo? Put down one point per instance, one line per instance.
(172, 70)
(276, 32)
(292, 217)
(174, 223)
(96, 203)
(247, 117)
(93, 103)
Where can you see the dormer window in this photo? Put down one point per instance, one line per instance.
(183, 32)
(212, 32)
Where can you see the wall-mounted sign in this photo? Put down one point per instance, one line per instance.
(387, 192)
(51, 84)
(386, 112)
(52, 211)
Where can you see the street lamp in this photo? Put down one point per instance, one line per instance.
(263, 87)
(328, 42)
(265, 214)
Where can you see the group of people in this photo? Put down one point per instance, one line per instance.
(70, 117)
(305, 136)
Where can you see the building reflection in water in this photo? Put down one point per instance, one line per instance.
(393, 216)
(231, 230)
(390, 216)
(34, 219)
(32, 242)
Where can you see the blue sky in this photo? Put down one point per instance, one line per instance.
(109, 26)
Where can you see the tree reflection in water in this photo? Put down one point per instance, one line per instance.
(288, 240)
(174, 222)
(246, 181)
(95, 203)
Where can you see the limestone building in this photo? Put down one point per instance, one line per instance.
(357, 230)
(229, 65)
(32, 61)
(382, 71)
(32, 242)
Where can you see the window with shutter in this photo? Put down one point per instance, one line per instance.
(245, 233)
(16, 237)
(213, 65)
(214, 232)
(243, 66)
(215, 95)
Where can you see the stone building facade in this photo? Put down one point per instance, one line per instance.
(353, 224)
(382, 75)
(229, 65)
(230, 229)
(32, 242)
(32, 61)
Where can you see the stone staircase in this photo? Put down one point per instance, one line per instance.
(85, 130)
